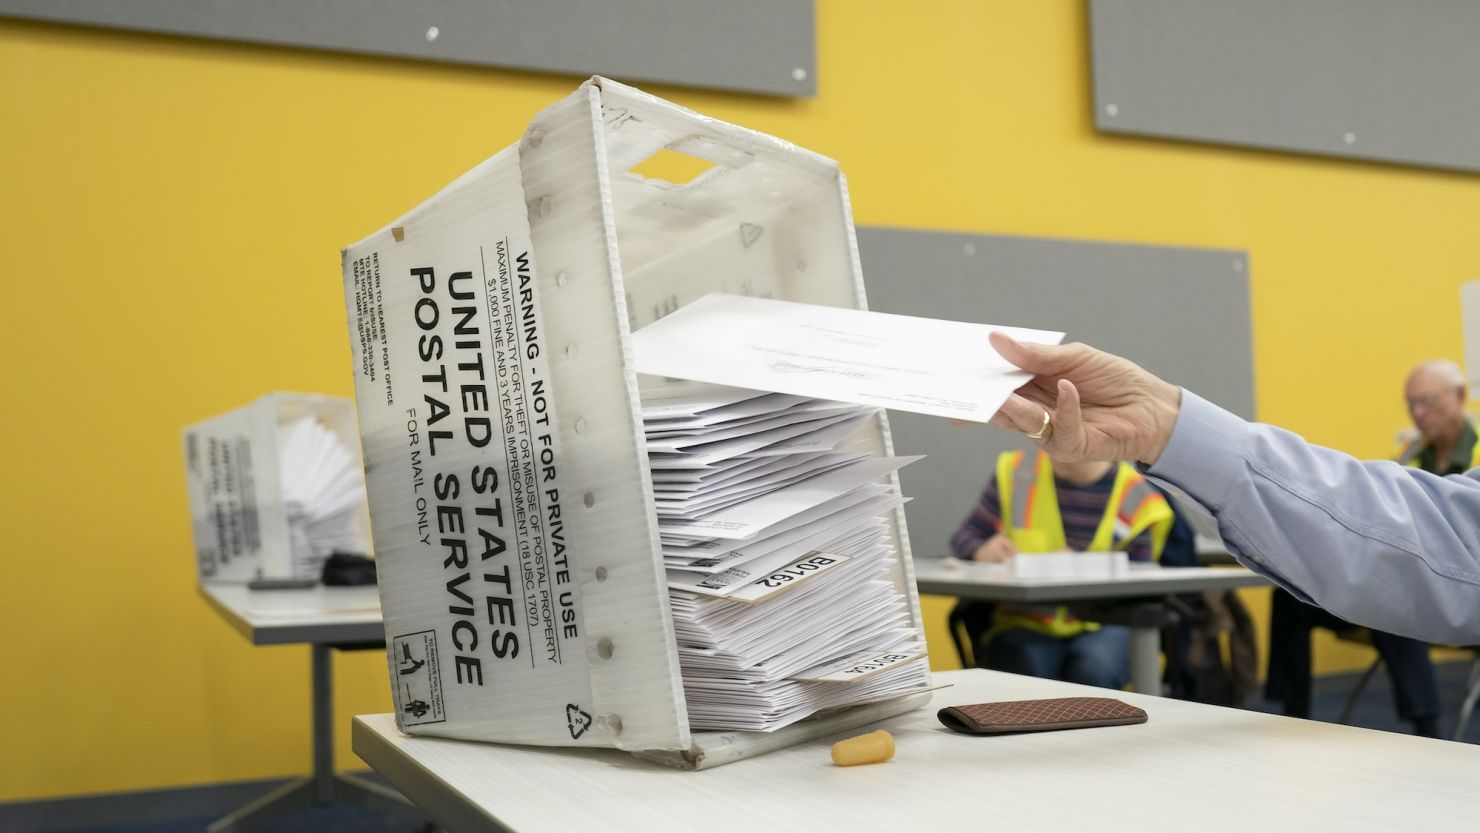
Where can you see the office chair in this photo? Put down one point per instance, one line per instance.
(1472, 695)
(967, 621)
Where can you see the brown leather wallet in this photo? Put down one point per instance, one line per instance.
(1039, 715)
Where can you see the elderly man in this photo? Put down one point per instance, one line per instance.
(1387, 546)
(1436, 400)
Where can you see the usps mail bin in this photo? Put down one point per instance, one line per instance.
(521, 574)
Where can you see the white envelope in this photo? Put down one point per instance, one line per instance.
(944, 368)
(748, 519)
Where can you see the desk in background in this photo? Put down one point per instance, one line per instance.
(325, 618)
(1193, 765)
(1147, 583)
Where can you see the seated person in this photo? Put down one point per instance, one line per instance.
(1415, 688)
(1444, 443)
(1035, 504)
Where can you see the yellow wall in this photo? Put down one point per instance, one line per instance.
(170, 218)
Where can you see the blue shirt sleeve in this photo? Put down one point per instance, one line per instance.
(1375, 543)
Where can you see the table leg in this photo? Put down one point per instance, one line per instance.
(261, 814)
(1146, 659)
(323, 724)
(323, 786)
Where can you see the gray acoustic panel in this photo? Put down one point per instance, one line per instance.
(1181, 313)
(1384, 80)
(760, 46)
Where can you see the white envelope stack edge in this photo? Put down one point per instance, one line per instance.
(323, 493)
(276, 486)
(519, 540)
(778, 557)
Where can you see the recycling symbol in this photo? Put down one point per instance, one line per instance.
(576, 720)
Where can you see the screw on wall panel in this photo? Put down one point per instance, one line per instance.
(969, 249)
(1112, 110)
(535, 137)
(580, 425)
(601, 574)
(433, 33)
(561, 279)
(604, 648)
(588, 499)
(1349, 138)
(570, 351)
(799, 74)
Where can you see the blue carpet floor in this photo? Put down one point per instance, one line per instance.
(1374, 709)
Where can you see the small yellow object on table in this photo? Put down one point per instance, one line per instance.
(872, 748)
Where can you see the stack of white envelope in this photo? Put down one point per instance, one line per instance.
(776, 557)
(323, 491)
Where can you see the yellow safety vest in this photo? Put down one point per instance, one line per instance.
(1029, 507)
(1409, 455)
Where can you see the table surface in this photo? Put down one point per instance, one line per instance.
(1202, 767)
(953, 577)
(322, 615)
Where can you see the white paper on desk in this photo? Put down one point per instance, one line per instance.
(1069, 564)
(944, 368)
(746, 520)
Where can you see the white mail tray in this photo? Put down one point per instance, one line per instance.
(499, 408)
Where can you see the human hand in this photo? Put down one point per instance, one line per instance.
(995, 550)
(1101, 407)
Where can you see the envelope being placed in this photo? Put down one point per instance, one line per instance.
(944, 368)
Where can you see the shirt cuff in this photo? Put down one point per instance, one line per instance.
(1206, 452)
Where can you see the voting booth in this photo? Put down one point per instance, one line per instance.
(520, 564)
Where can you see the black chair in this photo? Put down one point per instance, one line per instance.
(967, 622)
(1472, 695)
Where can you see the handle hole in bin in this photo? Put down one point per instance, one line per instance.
(685, 162)
(672, 167)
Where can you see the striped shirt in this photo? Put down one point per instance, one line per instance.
(1081, 508)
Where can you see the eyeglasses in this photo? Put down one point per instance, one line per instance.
(1429, 400)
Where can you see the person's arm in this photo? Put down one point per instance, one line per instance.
(1375, 543)
(979, 526)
